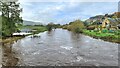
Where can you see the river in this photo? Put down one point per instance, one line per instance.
(64, 48)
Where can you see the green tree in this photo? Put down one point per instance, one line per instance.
(76, 26)
(10, 17)
(50, 26)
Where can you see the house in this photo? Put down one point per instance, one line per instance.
(110, 23)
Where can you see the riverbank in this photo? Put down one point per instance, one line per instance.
(106, 36)
(35, 29)
(111, 37)
(9, 40)
(64, 48)
(9, 57)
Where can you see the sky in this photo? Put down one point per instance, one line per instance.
(65, 12)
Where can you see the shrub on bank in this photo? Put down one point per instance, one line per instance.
(117, 32)
(49, 26)
(65, 27)
(78, 30)
(76, 26)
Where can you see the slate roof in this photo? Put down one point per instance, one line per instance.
(114, 21)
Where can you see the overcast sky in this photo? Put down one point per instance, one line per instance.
(64, 12)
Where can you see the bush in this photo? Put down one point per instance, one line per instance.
(96, 30)
(111, 31)
(104, 31)
(90, 27)
(64, 27)
(49, 26)
(117, 32)
(78, 30)
(76, 26)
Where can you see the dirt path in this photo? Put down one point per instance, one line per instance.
(9, 58)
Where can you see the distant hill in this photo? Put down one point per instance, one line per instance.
(31, 23)
(91, 20)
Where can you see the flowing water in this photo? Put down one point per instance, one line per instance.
(62, 48)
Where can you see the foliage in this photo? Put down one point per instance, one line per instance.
(10, 16)
(76, 26)
(37, 28)
(113, 37)
(56, 26)
(50, 26)
(65, 26)
(104, 31)
(117, 32)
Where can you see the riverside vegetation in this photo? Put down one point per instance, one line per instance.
(12, 22)
(9, 20)
(94, 30)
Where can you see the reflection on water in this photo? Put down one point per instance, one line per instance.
(62, 47)
(66, 47)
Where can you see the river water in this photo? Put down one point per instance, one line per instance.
(62, 48)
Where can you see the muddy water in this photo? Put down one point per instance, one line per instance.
(62, 48)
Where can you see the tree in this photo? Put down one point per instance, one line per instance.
(76, 26)
(50, 26)
(10, 17)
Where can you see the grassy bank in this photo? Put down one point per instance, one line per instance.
(106, 35)
(37, 29)
(9, 40)
(9, 56)
(112, 37)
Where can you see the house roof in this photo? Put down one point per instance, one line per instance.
(114, 21)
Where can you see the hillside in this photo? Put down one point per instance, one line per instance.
(117, 14)
(98, 18)
(31, 23)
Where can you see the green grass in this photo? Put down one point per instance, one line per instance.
(112, 37)
(9, 40)
(37, 28)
